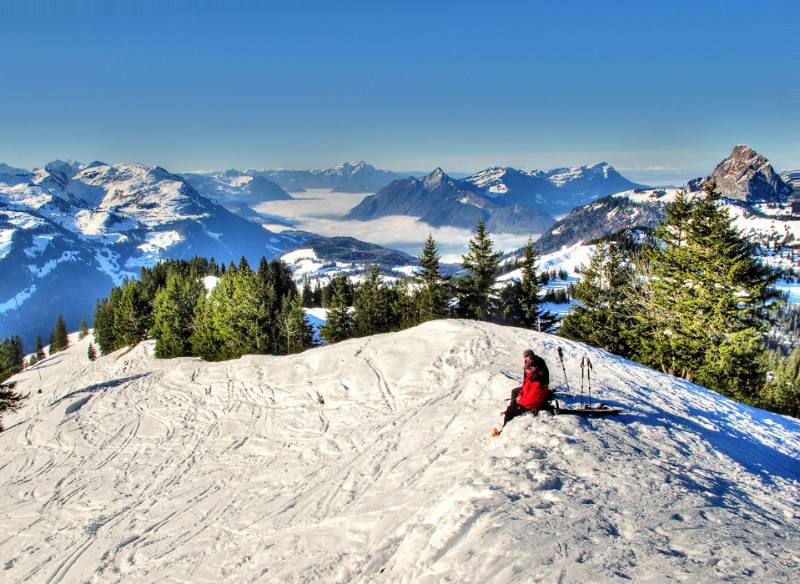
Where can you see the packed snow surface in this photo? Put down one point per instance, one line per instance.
(371, 461)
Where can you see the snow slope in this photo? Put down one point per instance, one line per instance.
(371, 461)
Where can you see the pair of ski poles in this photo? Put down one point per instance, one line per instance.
(586, 366)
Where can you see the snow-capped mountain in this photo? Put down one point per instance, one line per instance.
(233, 187)
(348, 177)
(554, 191)
(439, 200)
(371, 461)
(71, 231)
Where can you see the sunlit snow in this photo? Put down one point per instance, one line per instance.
(371, 461)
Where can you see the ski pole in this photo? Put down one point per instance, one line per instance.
(583, 363)
(563, 369)
(589, 378)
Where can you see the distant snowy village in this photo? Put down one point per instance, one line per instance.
(294, 375)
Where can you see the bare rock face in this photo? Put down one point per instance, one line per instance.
(747, 176)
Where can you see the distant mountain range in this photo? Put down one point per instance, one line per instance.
(348, 177)
(70, 231)
(554, 191)
(440, 200)
(744, 177)
(508, 199)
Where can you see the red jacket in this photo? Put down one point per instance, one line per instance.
(533, 393)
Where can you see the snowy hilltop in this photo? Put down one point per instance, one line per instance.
(370, 461)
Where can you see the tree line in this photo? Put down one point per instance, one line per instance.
(261, 311)
(246, 311)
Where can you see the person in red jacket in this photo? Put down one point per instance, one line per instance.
(535, 387)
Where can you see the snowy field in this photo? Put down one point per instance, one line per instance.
(371, 461)
(321, 211)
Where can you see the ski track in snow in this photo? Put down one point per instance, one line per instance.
(371, 461)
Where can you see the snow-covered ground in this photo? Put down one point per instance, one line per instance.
(370, 461)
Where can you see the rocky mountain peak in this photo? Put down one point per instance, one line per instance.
(435, 178)
(746, 175)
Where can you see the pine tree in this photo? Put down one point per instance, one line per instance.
(39, 354)
(11, 363)
(520, 301)
(475, 289)
(308, 294)
(238, 312)
(11, 357)
(204, 340)
(131, 316)
(296, 332)
(18, 352)
(404, 305)
(606, 314)
(91, 353)
(431, 298)
(371, 308)
(84, 330)
(339, 324)
(10, 400)
(709, 302)
(173, 312)
(58, 337)
(104, 312)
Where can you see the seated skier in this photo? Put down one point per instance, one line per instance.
(533, 394)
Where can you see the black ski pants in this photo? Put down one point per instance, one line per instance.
(514, 409)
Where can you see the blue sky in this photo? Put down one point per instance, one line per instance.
(655, 88)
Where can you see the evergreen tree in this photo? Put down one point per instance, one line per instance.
(709, 302)
(431, 298)
(11, 363)
(782, 392)
(475, 289)
(606, 314)
(58, 337)
(104, 312)
(18, 351)
(204, 340)
(10, 400)
(131, 316)
(371, 308)
(308, 294)
(238, 315)
(317, 296)
(39, 354)
(403, 305)
(520, 301)
(12, 359)
(339, 324)
(91, 353)
(173, 313)
(296, 333)
(84, 330)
